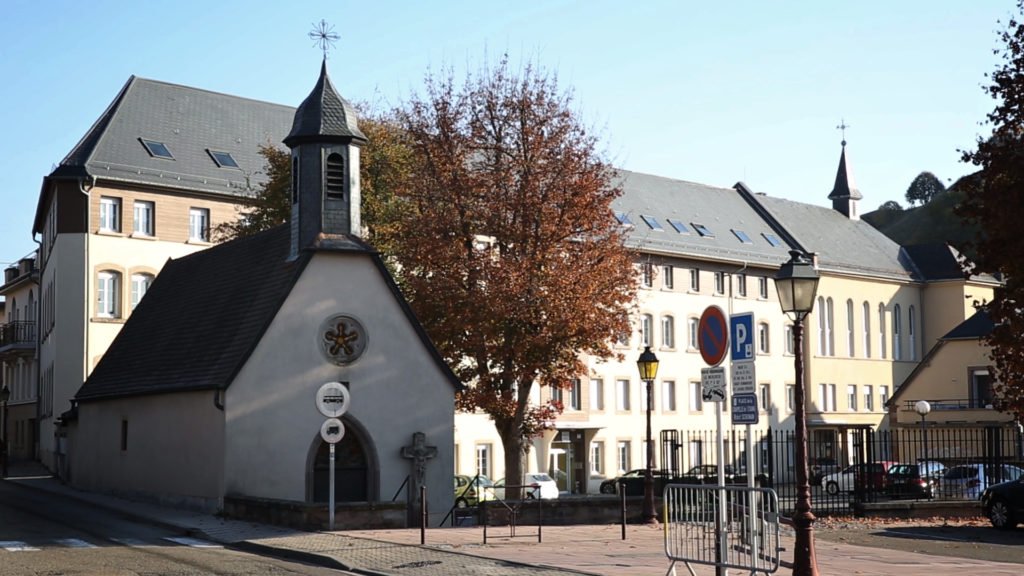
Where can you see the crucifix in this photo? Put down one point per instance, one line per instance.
(323, 35)
(419, 453)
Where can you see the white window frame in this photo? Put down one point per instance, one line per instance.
(763, 338)
(849, 328)
(911, 336)
(108, 294)
(696, 397)
(622, 395)
(110, 214)
(719, 283)
(883, 396)
(483, 459)
(762, 287)
(597, 394)
(790, 398)
(575, 395)
(140, 285)
(692, 342)
(869, 398)
(143, 220)
(623, 456)
(790, 339)
(199, 224)
(867, 329)
(694, 279)
(668, 395)
(647, 274)
(668, 332)
(646, 329)
(851, 397)
(765, 397)
(881, 330)
(667, 277)
(597, 457)
(897, 340)
(741, 284)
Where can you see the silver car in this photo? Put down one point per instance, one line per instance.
(968, 481)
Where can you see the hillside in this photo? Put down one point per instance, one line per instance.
(933, 222)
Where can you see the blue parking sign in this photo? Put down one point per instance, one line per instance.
(741, 336)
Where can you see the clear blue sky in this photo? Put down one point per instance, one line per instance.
(711, 92)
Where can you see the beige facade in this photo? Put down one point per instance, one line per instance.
(18, 368)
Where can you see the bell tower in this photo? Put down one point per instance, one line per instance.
(325, 141)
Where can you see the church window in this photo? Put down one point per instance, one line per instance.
(157, 149)
(335, 176)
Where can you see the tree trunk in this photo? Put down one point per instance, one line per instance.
(512, 441)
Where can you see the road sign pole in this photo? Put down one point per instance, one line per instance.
(330, 512)
(721, 538)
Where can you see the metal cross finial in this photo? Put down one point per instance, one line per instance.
(843, 126)
(323, 35)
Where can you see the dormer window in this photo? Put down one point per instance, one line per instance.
(157, 149)
(223, 159)
(335, 176)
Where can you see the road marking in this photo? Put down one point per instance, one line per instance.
(193, 542)
(75, 543)
(17, 546)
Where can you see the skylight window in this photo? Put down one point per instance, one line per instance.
(157, 149)
(623, 219)
(702, 230)
(223, 159)
(679, 226)
(772, 239)
(651, 222)
(742, 236)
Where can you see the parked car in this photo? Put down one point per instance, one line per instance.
(869, 476)
(969, 481)
(821, 467)
(470, 490)
(537, 485)
(708, 474)
(910, 481)
(1004, 503)
(932, 468)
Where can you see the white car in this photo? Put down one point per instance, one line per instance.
(968, 481)
(535, 485)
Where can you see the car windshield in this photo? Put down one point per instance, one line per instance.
(961, 473)
(538, 478)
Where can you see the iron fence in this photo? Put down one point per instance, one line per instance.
(849, 466)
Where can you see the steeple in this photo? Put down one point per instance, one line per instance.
(845, 194)
(325, 141)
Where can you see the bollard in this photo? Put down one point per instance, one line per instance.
(622, 502)
(423, 515)
(483, 517)
(540, 517)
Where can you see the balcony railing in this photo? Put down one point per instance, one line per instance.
(953, 404)
(22, 333)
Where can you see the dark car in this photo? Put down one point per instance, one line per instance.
(708, 474)
(1004, 503)
(633, 482)
(907, 481)
(820, 467)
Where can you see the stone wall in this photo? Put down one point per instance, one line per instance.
(304, 516)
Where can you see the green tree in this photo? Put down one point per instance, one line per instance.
(891, 206)
(924, 187)
(269, 205)
(506, 241)
(995, 208)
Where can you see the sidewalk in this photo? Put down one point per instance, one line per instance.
(565, 550)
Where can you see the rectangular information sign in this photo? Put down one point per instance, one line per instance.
(744, 409)
(712, 384)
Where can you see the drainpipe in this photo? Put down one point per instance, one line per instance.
(39, 343)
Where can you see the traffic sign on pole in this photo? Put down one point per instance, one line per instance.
(713, 335)
(332, 399)
(743, 378)
(744, 409)
(741, 336)
(712, 384)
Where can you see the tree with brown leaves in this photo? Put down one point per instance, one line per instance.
(506, 243)
(996, 208)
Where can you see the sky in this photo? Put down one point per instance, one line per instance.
(709, 92)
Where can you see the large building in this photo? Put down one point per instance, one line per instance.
(164, 163)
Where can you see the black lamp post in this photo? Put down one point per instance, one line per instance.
(648, 365)
(5, 395)
(923, 407)
(797, 284)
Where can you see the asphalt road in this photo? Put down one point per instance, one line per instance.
(954, 538)
(46, 535)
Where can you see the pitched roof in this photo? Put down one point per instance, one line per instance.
(206, 312)
(324, 116)
(940, 261)
(200, 319)
(844, 186)
(976, 327)
(190, 122)
(721, 211)
(842, 245)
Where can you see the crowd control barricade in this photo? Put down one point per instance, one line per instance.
(728, 526)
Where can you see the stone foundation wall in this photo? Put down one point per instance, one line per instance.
(305, 516)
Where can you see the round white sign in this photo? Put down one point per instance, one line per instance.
(332, 431)
(332, 399)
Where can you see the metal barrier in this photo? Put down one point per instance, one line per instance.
(727, 526)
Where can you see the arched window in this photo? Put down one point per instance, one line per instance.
(822, 348)
(645, 330)
(334, 178)
(867, 329)
(910, 333)
(763, 344)
(849, 328)
(140, 285)
(668, 332)
(830, 323)
(108, 291)
(881, 330)
(897, 352)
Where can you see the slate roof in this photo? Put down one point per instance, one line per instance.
(977, 326)
(206, 312)
(189, 121)
(200, 319)
(324, 116)
(939, 261)
(721, 210)
(842, 245)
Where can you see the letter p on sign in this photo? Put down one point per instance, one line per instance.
(742, 337)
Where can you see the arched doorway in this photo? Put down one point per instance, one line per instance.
(351, 470)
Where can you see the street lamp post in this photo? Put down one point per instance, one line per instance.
(797, 285)
(648, 365)
(922, 407)
(5, 395)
